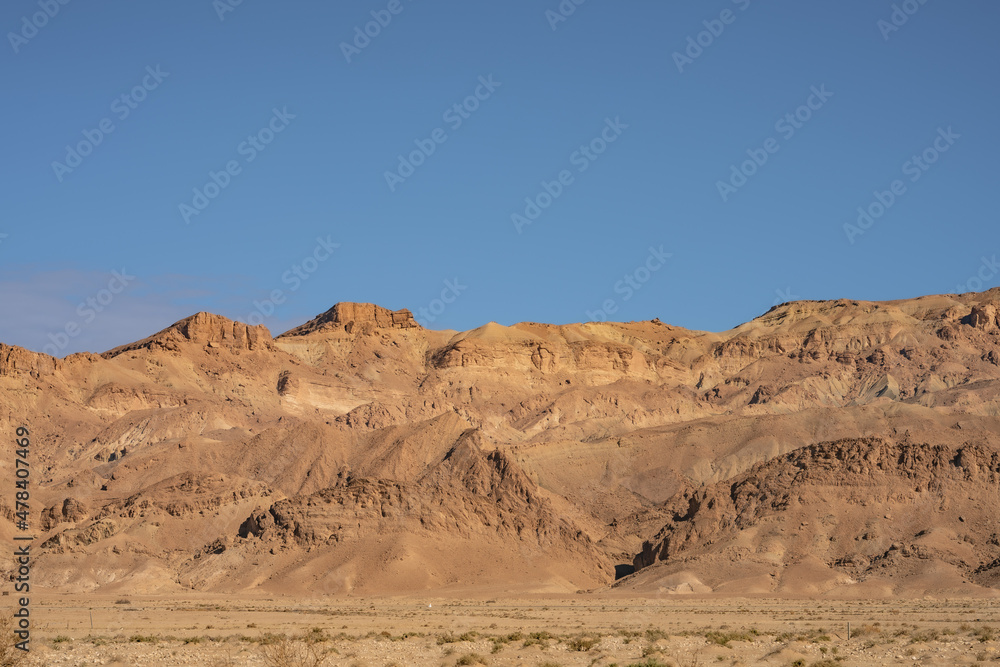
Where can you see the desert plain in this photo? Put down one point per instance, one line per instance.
(582, 630)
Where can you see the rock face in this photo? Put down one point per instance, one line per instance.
(71, 511)
(861, 509)
(357, 317)
(984, 316)
(16, 360)
(206, 329)
(213, 330)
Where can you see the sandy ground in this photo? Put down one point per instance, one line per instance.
(536, 632)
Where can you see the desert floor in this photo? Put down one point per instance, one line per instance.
(536, 631)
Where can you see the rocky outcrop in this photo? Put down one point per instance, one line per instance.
(187, 494)
(549, 357)
(853, 503)
(357, 318)
(217, 331)
(205, 329)
(984, 317)
(468, 495)
(82, 537)
(71, 511)
(259, 522)
(16, 360)
(373, 415)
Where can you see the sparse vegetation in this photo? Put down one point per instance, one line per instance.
(452, 638)
(318, 636)
(540, 639)
(655, 634)
(582, 643)
(866, 630)
(10, 656)
(723, 638)
(287, 653)
(650, 662)
(302, 643)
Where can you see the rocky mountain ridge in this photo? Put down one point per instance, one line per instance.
(362, 453)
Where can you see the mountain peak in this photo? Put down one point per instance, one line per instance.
(353, 317)
(205, 328)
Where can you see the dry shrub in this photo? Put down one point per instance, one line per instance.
(287, 653)
(10, 656)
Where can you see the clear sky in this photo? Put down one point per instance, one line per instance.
(692, 161)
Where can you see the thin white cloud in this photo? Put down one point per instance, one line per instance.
(68, 310)
(40, 309)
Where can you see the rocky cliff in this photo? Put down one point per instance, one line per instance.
(357, 316)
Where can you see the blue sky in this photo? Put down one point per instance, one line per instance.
(630, 137)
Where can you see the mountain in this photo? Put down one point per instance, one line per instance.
(826, 447)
